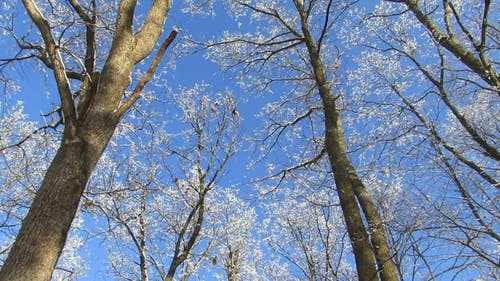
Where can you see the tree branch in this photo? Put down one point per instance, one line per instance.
(125, 20)
(90, 33)
(58, 67)
(151, 70)
(154, 21)
(440, 140)
(488, 74)
(489, 150)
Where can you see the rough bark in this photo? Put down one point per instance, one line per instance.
(43, 233)
(371, 249)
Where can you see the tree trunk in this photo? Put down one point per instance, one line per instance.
(351, 191)
(363, 252)
(232, 265)
(180, 255)
(43, 232)
(349, 187)
(383, 254)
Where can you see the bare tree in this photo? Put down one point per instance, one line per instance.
(304, 227)
(214, 126)
(157, 207)
(295, 42)
(431, 65)
(89, 122)
(236, 249)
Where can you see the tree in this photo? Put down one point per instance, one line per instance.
(303, 228)
(89, 114)
(430, 68)
(235, 248)
(22, 166)
(161, 184)
(293, 47)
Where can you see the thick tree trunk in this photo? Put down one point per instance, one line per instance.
(43, 233)
(44, 230)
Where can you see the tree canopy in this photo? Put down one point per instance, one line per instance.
(249, 140)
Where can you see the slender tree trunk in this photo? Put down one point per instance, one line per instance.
(180, 255)
(368, 253)
(363, 252)
(143, 263)
(351, 191)
(383, 254)
(43, 233)
(232, 265)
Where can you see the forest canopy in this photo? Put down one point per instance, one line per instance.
(249, 140)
